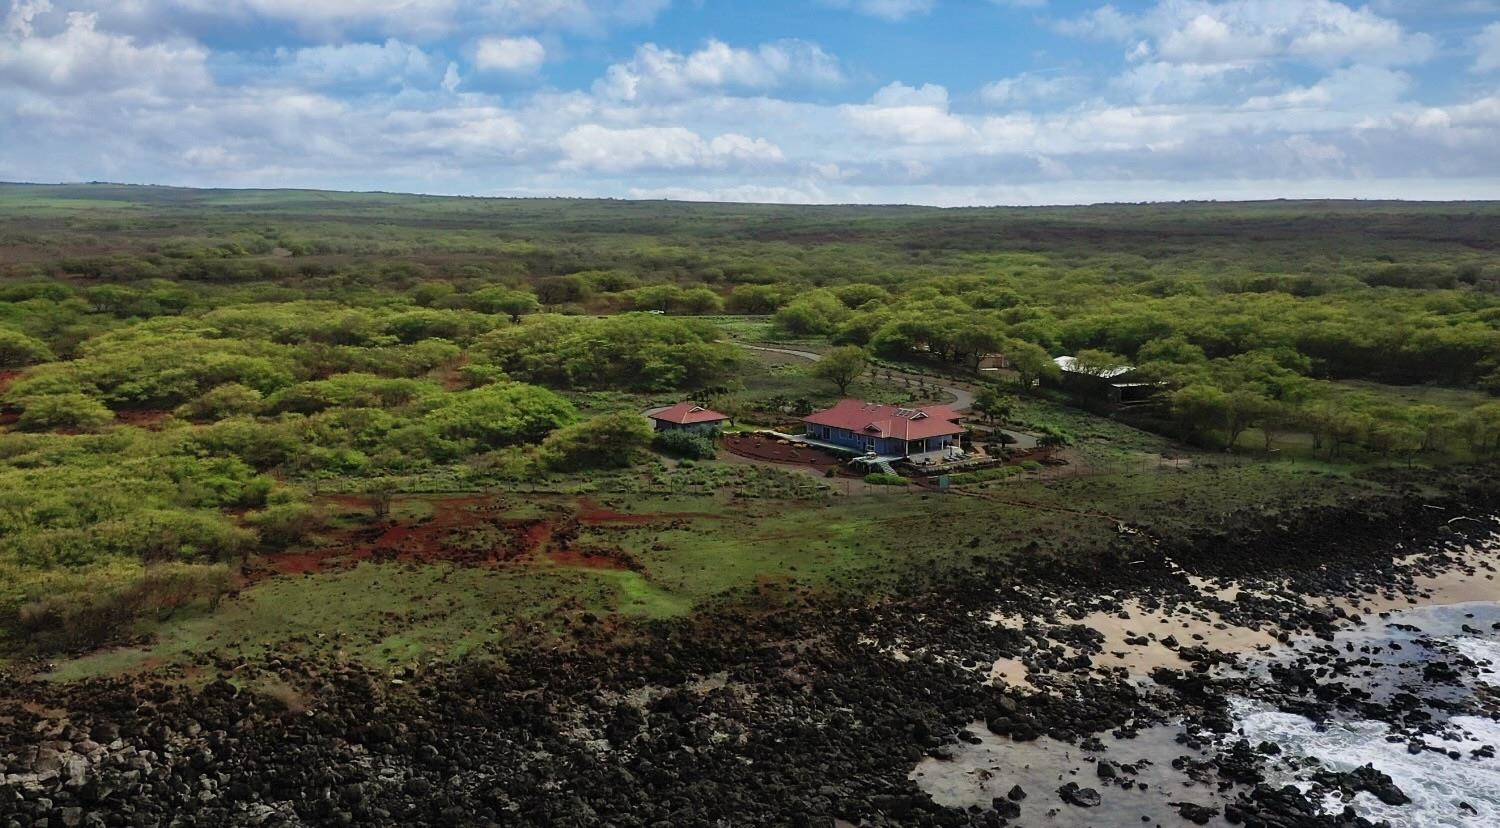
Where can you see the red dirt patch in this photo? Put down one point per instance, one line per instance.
(142, 418)
(471, 530)
(760, 447)
(7, 377)
(611, 559)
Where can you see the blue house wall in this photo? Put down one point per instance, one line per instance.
(885, 446)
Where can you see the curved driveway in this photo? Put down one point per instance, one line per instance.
(962, 397)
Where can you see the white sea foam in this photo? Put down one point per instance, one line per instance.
(1482, 651)
(1435, 783)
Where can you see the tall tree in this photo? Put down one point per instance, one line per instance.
(993, 406)
(842, 366)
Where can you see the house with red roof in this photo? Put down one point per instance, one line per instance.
(887, 430)
(686, 416)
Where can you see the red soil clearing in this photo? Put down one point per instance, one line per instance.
(8, 377)
(467, 531)
(758, 447)
(464, 530)
(613, 559)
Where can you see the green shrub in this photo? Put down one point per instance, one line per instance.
(883, 479)
(608, 441)
(64, 411)
(285, 524)
(687, 444)
(17, 349)
(501, 414)
(219, 402)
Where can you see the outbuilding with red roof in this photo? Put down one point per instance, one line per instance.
(686, 416)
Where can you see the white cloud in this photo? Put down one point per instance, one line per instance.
(509, 54)
(898, 94)
(596, 147)
(886, 9)
(389, 62)
(80, 58)
(406, 19)
(1033, 88)
(1161, 82)
(22, 12)
(1487, 48)
(909, 115)
(1352, 89)
(1201, 32)
(654, 72)
(1196, 113)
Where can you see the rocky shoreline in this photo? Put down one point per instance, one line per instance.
(814, 715)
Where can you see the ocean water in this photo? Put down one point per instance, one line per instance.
(1438, 785)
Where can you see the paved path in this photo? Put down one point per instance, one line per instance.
(963, 398)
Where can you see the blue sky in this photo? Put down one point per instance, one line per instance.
(948, 102)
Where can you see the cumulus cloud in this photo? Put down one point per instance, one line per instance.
(407, 19)
(80, 58)
(392, 62)
(1351, 89)
(1487, 49)
(654, 72)
(1033, 88)
(509, 54)
(596, 147)
(886, 9)
(1200, 32)
(1202, 108)
(909, 115)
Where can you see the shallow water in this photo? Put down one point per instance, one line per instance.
(982, 772)
(1436, 783)
(1393, 652)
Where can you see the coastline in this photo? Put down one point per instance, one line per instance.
(817, 712)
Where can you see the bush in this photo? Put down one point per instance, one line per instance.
(502, 414)
(883, 479)
(18, 349)
(285, 524)
(608, 441)
(219, 402)
(1031, 466)
(93, 619)
(64, 411)
(686, 444)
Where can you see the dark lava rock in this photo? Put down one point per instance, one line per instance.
(1006, 808)
(1082, 797)
(1196, 814)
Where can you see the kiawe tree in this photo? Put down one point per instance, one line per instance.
(842, 366)
(1031, 362)
(993, 406)
(607, 441)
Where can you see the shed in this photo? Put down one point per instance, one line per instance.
(686, 416)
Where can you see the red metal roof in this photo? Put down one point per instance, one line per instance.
(889, 420)
(685, 413)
